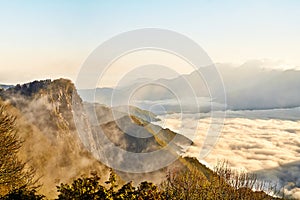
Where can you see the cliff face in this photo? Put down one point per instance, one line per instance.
(46, 123)
(48, 106)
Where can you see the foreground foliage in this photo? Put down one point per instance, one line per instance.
(13, 172)
(181, 185)
(89, 188)
(193, 185)
(23, 194)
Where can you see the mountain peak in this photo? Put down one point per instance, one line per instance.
(32, 88)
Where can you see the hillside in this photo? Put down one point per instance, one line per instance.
(45, 120)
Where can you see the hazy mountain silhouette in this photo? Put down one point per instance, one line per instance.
(248, 87)
(3, 86)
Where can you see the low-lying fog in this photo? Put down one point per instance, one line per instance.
(251, 141)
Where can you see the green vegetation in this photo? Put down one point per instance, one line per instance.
(192, 184)
(181, 185)
(89, 188)
(16, 179)
(13, 172)
(23, 193)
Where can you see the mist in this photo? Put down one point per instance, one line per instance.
(249, 143)
(251, 86)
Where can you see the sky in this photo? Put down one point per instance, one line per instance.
(51, 39)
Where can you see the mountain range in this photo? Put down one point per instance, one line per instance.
(247, 87)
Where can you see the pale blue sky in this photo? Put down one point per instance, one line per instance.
(40, 39)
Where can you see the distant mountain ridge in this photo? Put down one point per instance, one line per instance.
(3, 86)
(248, 87)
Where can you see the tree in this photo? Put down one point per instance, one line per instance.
(185, 184)
(112, 184)
(13, 174)
(148, 191)
(90, 188)
(236, 184)
(126, 192)
(83, 188)
(23, 194)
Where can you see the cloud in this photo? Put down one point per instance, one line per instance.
(248, 144)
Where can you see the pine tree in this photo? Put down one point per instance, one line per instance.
(13, 174)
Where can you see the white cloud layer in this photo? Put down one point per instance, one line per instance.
(250, 144)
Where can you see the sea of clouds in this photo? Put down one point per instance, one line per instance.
(266, 142)
(260, 132)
